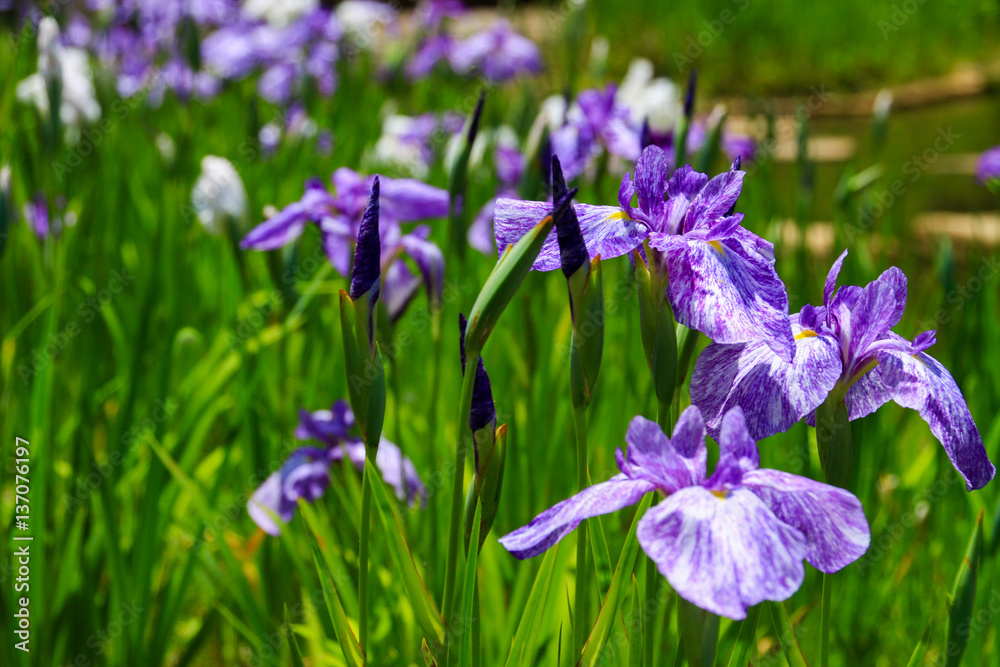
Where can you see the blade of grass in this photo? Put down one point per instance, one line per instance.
(469, 620)
(786, 635)
(523, 646)
(594, 648)
(353, 654)
(746, 641)
(424, 609)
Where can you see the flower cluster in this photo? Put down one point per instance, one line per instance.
(728, 541)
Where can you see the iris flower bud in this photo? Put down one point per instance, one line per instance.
(365, 373)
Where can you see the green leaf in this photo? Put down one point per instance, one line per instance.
(746, 641)
(699, 633)
(657, 326)
(365, 372)
(425, 650)
(424, 609)
(599, 544)
(469, 611)
(963, 597)
(523, 646)
(353, 654)
(293, 643)
(586, 288)
(503, 283)
(636, 626)
(920, 650)
(786, 635)
(594, 648)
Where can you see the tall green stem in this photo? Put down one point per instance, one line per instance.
(366, 522)
(687, 341)
(456, 526)
(664, 417)
(432, 418)
(824, 623)
(833, 440)
(581, 605)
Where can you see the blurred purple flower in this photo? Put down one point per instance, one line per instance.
(306, 473)
(988, 166)
(509, 162)
(498, 53)
(339, 218)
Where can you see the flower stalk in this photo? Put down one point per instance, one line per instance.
(365, 375)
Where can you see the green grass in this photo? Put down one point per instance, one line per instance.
(743, 47)
(159, 414)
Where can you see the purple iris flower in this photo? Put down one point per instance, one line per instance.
(431, 13)
(609, 121)
(988, 166)
(430, 51)
(306, 473)
(724, 542)
(845, 348)
(596, 122)
(339, 217)
(498, 53)
(722, 277)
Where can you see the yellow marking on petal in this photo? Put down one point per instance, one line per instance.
(718, 247)
(805, 333)
(721, 495)
(617, 215)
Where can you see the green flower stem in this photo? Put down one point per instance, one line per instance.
(365, 547)
(363, 551)
(699, 633)
(432, 418)
(665, 418)
(687, 341)
(833, 439)
(581, 604)
(824, 622)
(458, 483)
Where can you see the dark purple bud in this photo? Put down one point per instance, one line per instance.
(477, 114)
(689, 95)
(645, 135)
(736, 167)
(368, 253)
(545, 160)
(557, 179)
(572, 249)
(482, 412)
